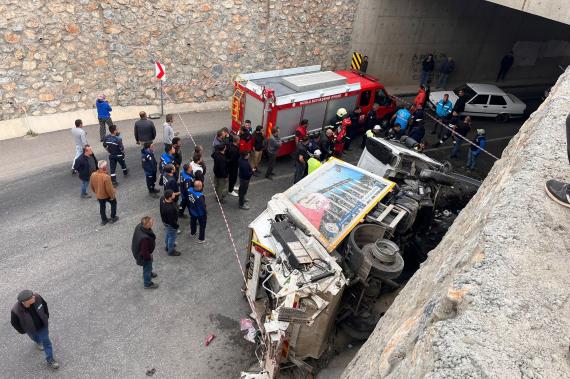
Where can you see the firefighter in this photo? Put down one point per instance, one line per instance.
(301, 130)
(336, 121)
(113, 143)
(341, 138)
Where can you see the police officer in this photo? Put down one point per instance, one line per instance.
(114, 145)
(186, 182)
(149, 165)
(166, 158)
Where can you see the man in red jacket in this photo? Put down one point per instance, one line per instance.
(142, 248)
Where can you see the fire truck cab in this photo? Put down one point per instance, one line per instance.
(285, 97)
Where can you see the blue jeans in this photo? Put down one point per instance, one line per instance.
(471, 159)
(170, 238)
(84, 184)
(147, 271)
(42, 337)
(424, 77)
(442, 80)
(456, 147)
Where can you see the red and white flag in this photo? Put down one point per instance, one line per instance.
(159, 70)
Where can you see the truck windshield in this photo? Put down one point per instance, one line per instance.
(469, 92)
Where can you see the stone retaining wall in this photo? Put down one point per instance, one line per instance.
(493, 299)
(57, 55)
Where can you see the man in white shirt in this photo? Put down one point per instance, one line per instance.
(168, 132)
(80, 138)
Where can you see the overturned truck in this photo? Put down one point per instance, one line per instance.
(324, 251)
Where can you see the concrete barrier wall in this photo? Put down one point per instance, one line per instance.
(493, 299)
(398, 34)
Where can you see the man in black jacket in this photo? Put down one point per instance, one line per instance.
(113, 143)
(142, 247)
(220, 171)
(232, 157)
(85, 165)
(30, 316)
(459, 105)
(170, 182)
(169, 216)
(144, 130)
(245, 173)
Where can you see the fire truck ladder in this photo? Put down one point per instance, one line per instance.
(236, 103)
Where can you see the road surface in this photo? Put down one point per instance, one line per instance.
(103, 323)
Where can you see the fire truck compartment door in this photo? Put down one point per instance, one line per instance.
(348, 103)
(315, 113)
(288, 120)
(253, 110)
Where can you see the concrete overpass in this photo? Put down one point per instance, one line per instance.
(556, 10)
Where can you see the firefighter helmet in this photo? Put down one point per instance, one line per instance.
(341, 112)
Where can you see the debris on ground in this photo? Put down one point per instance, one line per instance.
(209, 339)
(150, 371)
(247, 324)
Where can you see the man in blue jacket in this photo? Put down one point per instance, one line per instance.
(186, 182)
(103, 114)
(113, 143)
(245, 173)
(198, 213)
(149, 166)
(165, 159)
(443, 110)
(481, 143)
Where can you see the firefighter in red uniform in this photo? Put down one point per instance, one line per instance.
(341, 137)
(301, 131)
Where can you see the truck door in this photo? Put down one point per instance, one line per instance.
(387, 106)
(365, 101)
(253, 110)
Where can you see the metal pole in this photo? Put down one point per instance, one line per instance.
(161, 99)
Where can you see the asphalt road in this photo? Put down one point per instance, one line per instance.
(103, 323)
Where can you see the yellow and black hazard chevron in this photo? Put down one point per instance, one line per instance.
(356, 60)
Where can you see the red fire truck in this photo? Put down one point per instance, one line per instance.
(285, 97)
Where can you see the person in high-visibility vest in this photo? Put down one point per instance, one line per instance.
(374, 132)
(315, 161)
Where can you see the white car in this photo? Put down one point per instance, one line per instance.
(484, 100)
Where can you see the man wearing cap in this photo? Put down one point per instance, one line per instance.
(30, 316)
(314, 162)
(103, 114)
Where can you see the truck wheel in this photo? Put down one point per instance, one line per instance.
(503, 117)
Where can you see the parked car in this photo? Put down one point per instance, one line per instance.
(484, 100)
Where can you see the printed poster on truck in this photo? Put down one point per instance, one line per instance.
(336, 197)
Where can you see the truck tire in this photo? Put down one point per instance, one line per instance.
(387, 263)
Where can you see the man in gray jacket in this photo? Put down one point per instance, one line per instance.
(273, 146)
(144, 130)
(80, 139)
(30, 316)
(168, 132)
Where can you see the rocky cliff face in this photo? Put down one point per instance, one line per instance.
(493, 299)
(57, 55)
